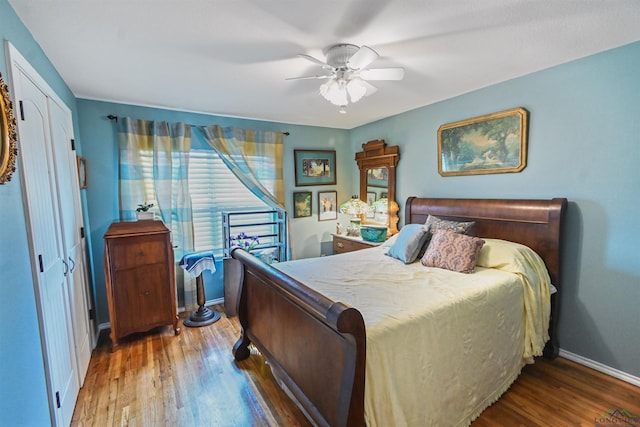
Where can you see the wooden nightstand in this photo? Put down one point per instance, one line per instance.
(342, 244)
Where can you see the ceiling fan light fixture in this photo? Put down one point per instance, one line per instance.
(334, 92)
(356, 89)
(348, 75)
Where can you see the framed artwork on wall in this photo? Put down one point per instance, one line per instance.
(82, 172)
(378, 177)
(371, 199)
(327, 205)
(302, 204)
(493, 143)
(8, 135)
(315, 167)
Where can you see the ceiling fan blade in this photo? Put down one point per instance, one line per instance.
(324, 76)
(315, 60)
(363, 57)
(371, 89)
(382, 74)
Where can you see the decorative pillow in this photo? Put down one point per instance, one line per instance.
(434, 223)
(408, 243)
(452, 251)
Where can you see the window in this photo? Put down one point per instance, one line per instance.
(214, 189)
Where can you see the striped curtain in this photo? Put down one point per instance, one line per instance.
(154, 164)
(251, 155)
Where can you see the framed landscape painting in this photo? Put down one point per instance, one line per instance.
(315, 167)
(494, 143)
(378, 177)
(302, 204)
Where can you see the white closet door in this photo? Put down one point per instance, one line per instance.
(49, 263)
(72, 225)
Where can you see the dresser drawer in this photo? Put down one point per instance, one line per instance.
(137, 250)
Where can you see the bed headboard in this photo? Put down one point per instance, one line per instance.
(534, 223)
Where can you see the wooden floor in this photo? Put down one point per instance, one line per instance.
(158, 379)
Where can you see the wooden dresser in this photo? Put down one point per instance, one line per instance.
(342, 244)
(140, 277)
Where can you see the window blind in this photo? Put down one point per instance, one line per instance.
(214, 189)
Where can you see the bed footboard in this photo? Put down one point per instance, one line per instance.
(315, 346)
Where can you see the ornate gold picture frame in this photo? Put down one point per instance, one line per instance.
(493, 143)
(8, 136)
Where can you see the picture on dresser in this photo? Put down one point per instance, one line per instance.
(327, 205)
(302, 204)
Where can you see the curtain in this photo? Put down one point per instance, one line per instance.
(154, 163)
(253, 156)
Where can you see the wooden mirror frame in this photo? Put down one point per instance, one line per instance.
(8, 136)
(376, 154)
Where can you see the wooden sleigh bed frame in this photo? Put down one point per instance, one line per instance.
(295, 327)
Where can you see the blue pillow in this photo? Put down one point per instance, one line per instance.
(409, 242)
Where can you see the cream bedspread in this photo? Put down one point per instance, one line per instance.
(441, 346)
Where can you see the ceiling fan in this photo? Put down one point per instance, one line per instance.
(346, 68)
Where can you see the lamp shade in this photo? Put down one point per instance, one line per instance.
(355, 207)
(334, 92)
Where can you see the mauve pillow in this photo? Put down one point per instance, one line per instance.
(452, 251)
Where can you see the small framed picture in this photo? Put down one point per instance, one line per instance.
(315, 167)
(302, 204)
(371, 199)
(378, 177)
(327, 205)
(82, 172)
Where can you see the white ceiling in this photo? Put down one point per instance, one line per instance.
(231, 57)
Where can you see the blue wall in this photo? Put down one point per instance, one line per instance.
(584, 144)
(100, 147)
(23, 395)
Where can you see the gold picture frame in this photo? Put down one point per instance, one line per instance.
(83, 178)
(493, 143)
(8, 135)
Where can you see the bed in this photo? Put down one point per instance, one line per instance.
(325, 353)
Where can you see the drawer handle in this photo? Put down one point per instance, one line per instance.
(340, 245)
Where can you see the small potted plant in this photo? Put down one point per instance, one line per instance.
(142, 212)
(242, 240)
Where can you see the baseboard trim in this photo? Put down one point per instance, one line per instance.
(107, 325)
(621, 375)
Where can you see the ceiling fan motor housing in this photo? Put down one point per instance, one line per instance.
(338, 55)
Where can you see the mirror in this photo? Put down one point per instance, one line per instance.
(377, 163)
(377, 192)
(8, 146)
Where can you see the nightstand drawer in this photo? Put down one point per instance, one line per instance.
(342, 244)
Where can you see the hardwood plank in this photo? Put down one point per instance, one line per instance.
(157, 378)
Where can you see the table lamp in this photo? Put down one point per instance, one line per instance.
(357, 209)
